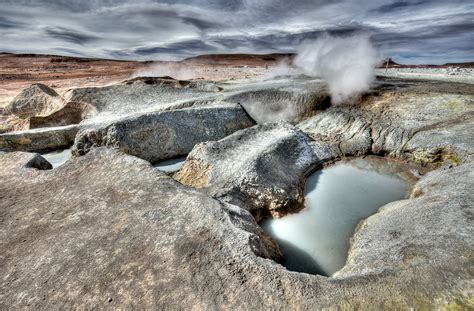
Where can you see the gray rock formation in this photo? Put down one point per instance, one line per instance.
(117, 233)
(174, 83)
(410, 123)
(40, 106)
(136, 96)
(292, 101)
(70, 113)
(261, 169)
(163, 135)
(38, 99)
(107, 230)
(39, 140)
(423, 232)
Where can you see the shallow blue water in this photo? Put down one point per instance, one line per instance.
(316, 240)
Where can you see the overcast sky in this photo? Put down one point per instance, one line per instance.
(417, 31)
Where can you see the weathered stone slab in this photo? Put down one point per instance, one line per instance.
(39, 140)
(161, 135)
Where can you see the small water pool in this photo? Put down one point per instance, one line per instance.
(58, 158)
(170, 165)
(316, 240)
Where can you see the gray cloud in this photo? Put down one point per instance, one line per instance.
(7, 23)
(71, 36)
(410, 31)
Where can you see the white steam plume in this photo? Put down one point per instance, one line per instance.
(282, 69)
(345, 63)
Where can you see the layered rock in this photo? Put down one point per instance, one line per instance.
(261, 168)
(407, 123)
(163, 135)
(39, 140)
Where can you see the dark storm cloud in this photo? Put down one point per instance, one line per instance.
(398, 5)
(7, 23)
(200, 23)
(184, 48)
(417, 30)
(70, 35)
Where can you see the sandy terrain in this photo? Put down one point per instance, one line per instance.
(18, 71)
(62, 73)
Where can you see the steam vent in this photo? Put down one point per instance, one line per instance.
(156, 168)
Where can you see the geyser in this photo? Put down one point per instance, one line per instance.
(346, 63)
(316, 240)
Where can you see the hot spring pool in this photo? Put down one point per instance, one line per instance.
(170, 165)
(58, 158)
(316, 240)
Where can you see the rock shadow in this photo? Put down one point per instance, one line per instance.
(297, 260)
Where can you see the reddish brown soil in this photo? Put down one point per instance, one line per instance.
(18, 71)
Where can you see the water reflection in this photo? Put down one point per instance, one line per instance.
(170, 165)
(57, 158)
(316, 240)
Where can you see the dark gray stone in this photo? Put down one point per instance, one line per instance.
(163, 135)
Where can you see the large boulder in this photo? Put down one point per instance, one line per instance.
(70, 113)
(292, 102)
(161, 135)
(39, 140)
(37, 99)
(138, 95)
(40, 106)
(261, 168)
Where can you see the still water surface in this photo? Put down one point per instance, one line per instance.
(316, 240)
(170, 165)
(58, 158)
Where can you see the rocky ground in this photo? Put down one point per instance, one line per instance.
(448, 73)
(107, 230)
